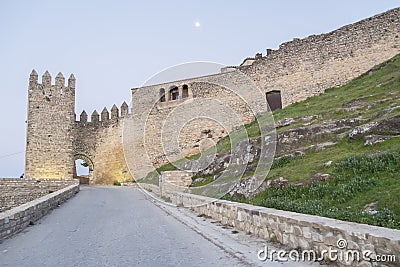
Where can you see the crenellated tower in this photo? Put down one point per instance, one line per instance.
(50, 122)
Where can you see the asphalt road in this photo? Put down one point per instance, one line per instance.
(109, 226)
(122, 226)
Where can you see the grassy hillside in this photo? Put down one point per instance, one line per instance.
(362, 174)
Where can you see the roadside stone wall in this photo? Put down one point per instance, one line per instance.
(17, 191)
(295, 230)
(175, 181)
(151, 188)
(16, 219)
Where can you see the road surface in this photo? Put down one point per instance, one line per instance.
(120, 226)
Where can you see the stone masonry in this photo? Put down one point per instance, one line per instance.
(302, 232)
(18, 218)
(17, 191)
(297, 70)
(49, 139)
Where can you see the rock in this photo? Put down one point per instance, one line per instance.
(371, 140)
(359, 131)
(328, 163)
(247, 187)
(278, 183)
(321, 177)
(308, 118)
(198, 180)
(284, 122)
(299, 153)
(322, 146)
(390, 126)
(371, 208)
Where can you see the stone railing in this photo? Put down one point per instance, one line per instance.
(18, 218)
(17, 191)
(299, 231)
(155, 189)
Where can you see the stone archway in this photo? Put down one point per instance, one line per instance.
(90, 165)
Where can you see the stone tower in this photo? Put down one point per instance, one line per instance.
(49, 137)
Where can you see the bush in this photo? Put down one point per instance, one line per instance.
(116, 183)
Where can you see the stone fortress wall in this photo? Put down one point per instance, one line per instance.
(50, 122)
(297, 70)
(305, 67)
(197, 112)
(55, 139)
(99, 143)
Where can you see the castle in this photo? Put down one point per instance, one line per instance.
(298, 69)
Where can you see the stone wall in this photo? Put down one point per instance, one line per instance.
(298, 69)
(150, 188)
(49, 151)
(161, 132)
(17, 191)
(305, 67)
(176, 181)
(15, 220)
(99, 144)
(55, 139)
(295, 230)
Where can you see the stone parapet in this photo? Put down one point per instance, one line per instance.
(298, 231)
(17, 219)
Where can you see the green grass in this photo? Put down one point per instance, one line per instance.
(207, 179)
(359, 180)
(383, 83)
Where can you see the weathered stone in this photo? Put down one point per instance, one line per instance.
(359, 131)
(16, 219)
(390, 126)
(297, 231)
(306, 232)
(371, 140)
(17, 191)
(321, 177)
(364, 264)
(371, 208)
(328, 163)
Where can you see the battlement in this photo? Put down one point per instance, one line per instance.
(334, 43)
(103, 119)
(46, 79)
(49, 89)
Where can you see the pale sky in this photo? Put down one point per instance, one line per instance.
(112, 46)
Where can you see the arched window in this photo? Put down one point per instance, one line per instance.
(162, 95)
(173, 93)
(185, 91)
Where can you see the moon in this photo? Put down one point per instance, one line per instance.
(197, 24)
